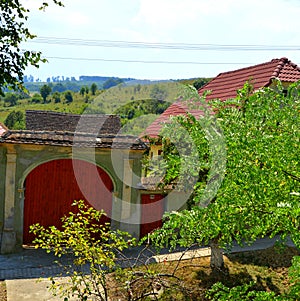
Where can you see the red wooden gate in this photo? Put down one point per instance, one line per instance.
(151, 213)
(52, 187)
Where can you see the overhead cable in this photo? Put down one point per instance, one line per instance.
(144, 62)
(168, 46)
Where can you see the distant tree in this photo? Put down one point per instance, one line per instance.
(45, 92)
(159, 93)
(59, 87)
(142, 107)
(36, 98)
(111, 82)
(137, 88)
(94, 88)
(11, 99)
(200, 82)
(68, 96)
(56, 97)
(15, 120)
(82, 91)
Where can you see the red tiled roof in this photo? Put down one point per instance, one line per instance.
(3, 129)
(226, 84)
(177, 108)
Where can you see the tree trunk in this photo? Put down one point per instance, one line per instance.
(216, 259)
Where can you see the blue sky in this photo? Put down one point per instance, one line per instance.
(207, 24)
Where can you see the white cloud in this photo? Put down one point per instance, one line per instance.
(77, 18)
(218, 19)
(174, 13)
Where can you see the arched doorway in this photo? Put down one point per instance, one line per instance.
(52, 187)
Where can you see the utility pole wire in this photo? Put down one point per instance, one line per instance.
(142, 61)
(166, 46)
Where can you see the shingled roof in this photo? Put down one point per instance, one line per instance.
(56, 138)
(226, 84)
(65, 122)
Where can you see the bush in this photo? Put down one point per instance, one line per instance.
(15, 120)
(68, 96)
(36, 98)
(11, 99)
(91, 245)
(56, 97)
(246, 292)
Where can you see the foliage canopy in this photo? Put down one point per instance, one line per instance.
(257, 196)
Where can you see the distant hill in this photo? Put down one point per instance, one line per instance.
(138, 102)
(61, 84)
(90, 78)
(134, 82)
(112, 99)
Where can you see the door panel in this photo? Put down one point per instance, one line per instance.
(52, 187)
(152, 212)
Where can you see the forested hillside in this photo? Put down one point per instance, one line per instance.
(131, 101)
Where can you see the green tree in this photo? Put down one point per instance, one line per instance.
(13, 59)
(45, 91)
(200, 82)
(11, 99)
(94, 88)
(142, 107)
(56, 97)
(68, 96)
(82, 91)
(15, 120)
(255, 198)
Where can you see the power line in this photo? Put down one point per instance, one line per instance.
(143, 61)
(167, 46)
